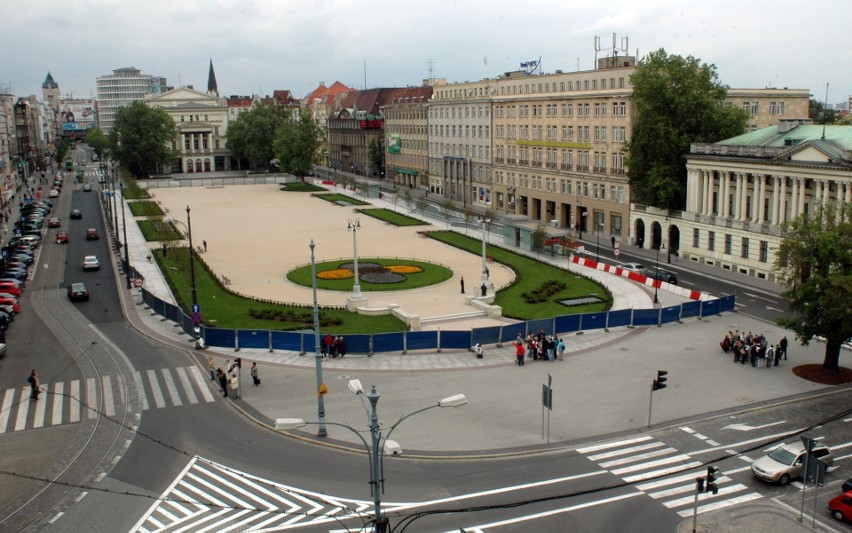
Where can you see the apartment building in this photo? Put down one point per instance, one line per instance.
(767, 107)
(740, 192)
(460, 142)
(407, 137)
(124, 86)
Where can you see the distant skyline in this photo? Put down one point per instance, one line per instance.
(265, 45)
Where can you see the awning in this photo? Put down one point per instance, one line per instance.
(406, 171)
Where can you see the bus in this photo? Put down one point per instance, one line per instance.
(69, 164)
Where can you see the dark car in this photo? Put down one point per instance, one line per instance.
(75, 213)
(78, 292)
(847, 485)
(53, 222)
(92, 234)
(20, 274)
(662, 275)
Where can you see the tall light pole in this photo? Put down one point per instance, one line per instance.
(598, 228)
(354, 227)
(657, 268)
(317, 353)
(124, 230)
(191, 260)
(114, 206)
(583, 217)
(485, 222)
(669, 247)
(378, 445)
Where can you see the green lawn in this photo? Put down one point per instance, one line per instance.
(132, 190)
(393, 217)
(532, 276)
(334, 198)
(230, 310)
(298, 186)
(146, 208)
(432, 274)
(158, 230)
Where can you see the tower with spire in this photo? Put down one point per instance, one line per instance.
(50, 91)
(212, 88)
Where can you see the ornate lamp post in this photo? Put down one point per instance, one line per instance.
(317, 352)
(485, 223)
(354, 226)
(124, 231)
(191, 262)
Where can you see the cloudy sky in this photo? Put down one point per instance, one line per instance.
(258, 46)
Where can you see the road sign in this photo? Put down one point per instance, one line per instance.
(323, 390)
(196, 308)
(138, 282)
(617, 252)
(196, 318)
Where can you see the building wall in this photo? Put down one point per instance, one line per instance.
(124, 86)
(766, 107)
(406, 123)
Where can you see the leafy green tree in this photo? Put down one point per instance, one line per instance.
(814, 263)
(98, 141)
(468, 213)
(376, 150)
(408, 198)
(297, 144)
(141, 138)
(448, 207)
(62, 150)
(420, 203)
(678, 101)
(539, 236)
(252, 134)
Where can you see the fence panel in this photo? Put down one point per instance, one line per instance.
(171, 312)
(670, 314)
(253, 338)
(358, 344)
(421, 340)
(690, 309)
(510, 331)
(455, 340)
(593, 321)
(728, 303)
(489, 335)
(646, 317)
(221, 338)
(567, 323)
(620, 318)
(710, 307)
(534, 326)
(389, 342)
(287, 340)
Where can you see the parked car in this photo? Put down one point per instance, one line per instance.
(19, 274)
(87, 187)
(75, 213)
(2, 349)
(13, 302)
(10, 288)
(847, 485)
(78, 292)
(8, 310)
(841, 506)
(662, 275)
(53, 193)
(92, 234)
(635, 267)
(53, 222)
(784, 463)
(29, 240)
(61, 237)
(90, 262)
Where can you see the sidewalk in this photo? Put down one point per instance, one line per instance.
(607, 373)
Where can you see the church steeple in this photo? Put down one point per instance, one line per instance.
(50, 84)
(212, 88)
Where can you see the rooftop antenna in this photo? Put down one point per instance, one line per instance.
(614, 50)
(825, 112)
(431, 65)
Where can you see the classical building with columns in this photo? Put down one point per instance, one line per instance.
(742, 190)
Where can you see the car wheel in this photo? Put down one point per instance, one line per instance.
(837, 515)
(784, 479)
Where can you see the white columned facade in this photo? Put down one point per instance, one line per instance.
(782, 202)
(726, 195)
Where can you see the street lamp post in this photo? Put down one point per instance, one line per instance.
(669, 247)
(124, 231)
(114, 206)
(191, 261)
(354, 226)
(485, 222)
(657, 270)
(583, 217)
(599, 229)
(317, 353)
(379, 444)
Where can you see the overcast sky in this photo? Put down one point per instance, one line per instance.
(258, 46)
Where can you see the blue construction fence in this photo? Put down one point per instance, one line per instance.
(404, 341)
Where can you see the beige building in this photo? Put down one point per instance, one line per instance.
(202, 123)
(407, 137)
(767, 107)
(460, 142)
(742, 190)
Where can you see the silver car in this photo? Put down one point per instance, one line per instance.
(784, 463)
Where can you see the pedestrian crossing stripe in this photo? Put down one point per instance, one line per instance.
(665, 474)
(63, 402)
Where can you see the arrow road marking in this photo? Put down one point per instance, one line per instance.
(746, 427)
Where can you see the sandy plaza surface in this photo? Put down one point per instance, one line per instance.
(256, 234)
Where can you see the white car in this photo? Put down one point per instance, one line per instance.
(53, 193)
(90, 262)
(634, 267)
(784, 463)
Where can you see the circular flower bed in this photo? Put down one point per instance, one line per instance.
(337, 273)
(379, 274)
(375, 274)
(404, 269)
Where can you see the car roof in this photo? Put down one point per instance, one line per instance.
(78, 286)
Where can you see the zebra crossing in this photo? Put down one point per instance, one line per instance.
(665, 474)
(69, 402)
(208, 496)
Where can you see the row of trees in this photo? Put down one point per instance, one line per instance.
(142, 136)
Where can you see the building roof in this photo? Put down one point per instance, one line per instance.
(284, 98)
(326, 95)
(212, 87)
(49, 83)
(780, 136)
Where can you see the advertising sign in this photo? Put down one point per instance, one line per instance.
(77, 115)
(394, 143)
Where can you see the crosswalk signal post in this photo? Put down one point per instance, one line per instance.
(657, 384)
(712, 472)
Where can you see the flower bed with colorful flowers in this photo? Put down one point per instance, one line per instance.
(376, 274)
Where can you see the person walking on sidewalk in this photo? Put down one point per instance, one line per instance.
(519, 352)
(254, 376)
(235, 385)
(783, 346)
(461, 282)
(212, 368)
(223, 381)
(34, 384)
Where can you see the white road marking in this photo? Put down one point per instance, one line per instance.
(746, 427)
(614, 444)
(40, 408)
(663, 472)
(74, 407)
(58, 397)
(109, 404)
(91, 398)
(722, 504)
(23, 411)
(5, 407)
(624, 451)
(651, 464)
(171, 387)
(159, 400)
(201, 382)
(138, 377)
(638, 457)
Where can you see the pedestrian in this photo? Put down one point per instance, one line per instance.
(478, 351)
(228, 366)
(235, 385)
(212, 368)
(484, 290)
(783, 346)
(613, 241)
(461, 281)
(341, 346)
(204, 243)
(487, 273)
(561, 348)
(223, 381)
(770, 355)
(519, 353)
(34, 384)
(254, 376)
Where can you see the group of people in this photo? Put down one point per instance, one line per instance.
(333, 347)
(754, 349)
(229, 381)
(539, 347)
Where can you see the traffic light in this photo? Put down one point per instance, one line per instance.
(238, 363)
(699, 485)
(712, 471)
(660, 382)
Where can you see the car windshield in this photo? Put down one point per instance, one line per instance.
(783, 456)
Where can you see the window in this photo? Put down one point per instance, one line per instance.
(744, 253)
(711, 241)
(728, 243)
(764, 251)
(696, 235)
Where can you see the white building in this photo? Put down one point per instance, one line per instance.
(123, 87)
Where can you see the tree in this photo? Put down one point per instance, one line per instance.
(408, 198)
(420, 203)
(252, 134)
(98, 141)
(376, 150)
(814, 263)
(448, 207)
(297, 144)
(678, 101)
(141, 138)
(468, 213)
(539, 236)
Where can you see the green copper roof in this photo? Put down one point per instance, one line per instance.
(839, 136)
